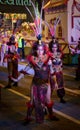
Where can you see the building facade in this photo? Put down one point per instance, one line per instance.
(69, 13)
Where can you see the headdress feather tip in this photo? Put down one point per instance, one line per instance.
(37, 20)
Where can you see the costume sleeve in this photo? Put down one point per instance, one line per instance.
(31, 60)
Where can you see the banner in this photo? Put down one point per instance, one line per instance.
(16, 2)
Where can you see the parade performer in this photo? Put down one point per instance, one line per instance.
(58, 84)
(40, 89)
(12, 61)
(57, 54)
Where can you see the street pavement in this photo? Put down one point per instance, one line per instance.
(13, 103)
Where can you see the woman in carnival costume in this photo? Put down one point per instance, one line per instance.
(40, 89)
(12, 61)
(57, 55)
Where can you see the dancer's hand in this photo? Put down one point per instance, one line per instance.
(15, 80)
(50, 62)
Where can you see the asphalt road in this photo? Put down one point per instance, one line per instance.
(13, 106)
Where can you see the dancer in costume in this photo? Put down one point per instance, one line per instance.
(58, 83)
(40, 89)
(12, 61)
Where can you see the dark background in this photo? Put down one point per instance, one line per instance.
(21, 9)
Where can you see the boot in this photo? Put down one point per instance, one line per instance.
(62, 100)
(8, 86)
(28, 118)
(51, 113)
(15, 84)
(61, 94)
(9, 83)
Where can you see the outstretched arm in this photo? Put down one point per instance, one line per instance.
(19, 77)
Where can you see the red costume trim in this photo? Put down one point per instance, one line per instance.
(32, 59)
(49, 105)
(29, 105)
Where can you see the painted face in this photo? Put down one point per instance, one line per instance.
(54, 48)
(40, 51)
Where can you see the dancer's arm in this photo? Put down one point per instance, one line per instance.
(19, 77)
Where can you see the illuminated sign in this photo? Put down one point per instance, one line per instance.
(16, 2)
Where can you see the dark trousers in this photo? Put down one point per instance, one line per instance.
(21, 52)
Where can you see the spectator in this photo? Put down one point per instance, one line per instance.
(21, 44)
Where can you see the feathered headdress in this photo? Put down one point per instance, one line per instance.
(37, 19)
(52, 26)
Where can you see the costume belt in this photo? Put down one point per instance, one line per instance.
(38, 81)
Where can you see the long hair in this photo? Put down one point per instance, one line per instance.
(35, 47)
(52, 43)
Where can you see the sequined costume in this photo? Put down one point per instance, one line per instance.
(40, 89)
(12, 61)
(58, 83)
(40, 84)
